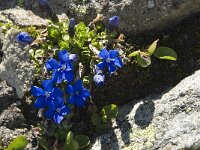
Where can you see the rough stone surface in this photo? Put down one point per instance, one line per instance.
(168, 121)
(7, 135)
(12, 117)
(7, 95)
(12, 120)
(22, 17)
(16, 67)
(135, 15)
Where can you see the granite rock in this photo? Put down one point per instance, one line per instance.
(136, 16)
(16, 67)
(162, 122)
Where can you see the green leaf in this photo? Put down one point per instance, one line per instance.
(143, 59)
(110, 111)
(18, 144)
(134, 54)
(70, 143)
(96, 119)
(152, 47)
(165, 53)
(82, 140)
(43, 143)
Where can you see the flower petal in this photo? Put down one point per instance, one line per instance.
(72, 57)
(101, 65)
(113, 53)
(72, 99)
(69, 66)
(80, 102)
(49, 114)
(111, 68)
(63, 56)
(85, 94)
(52, 64)
(103, 54)
(50, 103)
(68, 76)
(65, 110)
(36, 91)
(57, 118)
(99, 79)
(57, 92)
(48, 85)
(78, 85)
(57, 76)
(70, 89)
(118, 62)
(40, 102)
(114, 21)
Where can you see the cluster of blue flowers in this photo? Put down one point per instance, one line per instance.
(110, 60)
(52, 97)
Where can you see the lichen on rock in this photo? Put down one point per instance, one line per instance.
(16, 67)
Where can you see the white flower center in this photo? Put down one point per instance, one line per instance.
(77, 92)
(63, 67)
(108, 60)
(47, 94)
(58, 110)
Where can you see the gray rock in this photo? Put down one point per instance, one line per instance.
(22, 17)
(16, 67)
(135, 15)
(7, 95)
(12, 117)
(7, 135)
(168, 121)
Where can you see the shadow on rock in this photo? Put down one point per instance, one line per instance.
(144, 114)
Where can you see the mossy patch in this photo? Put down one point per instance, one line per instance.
(142, 138)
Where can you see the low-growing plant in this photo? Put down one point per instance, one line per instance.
(69, 57)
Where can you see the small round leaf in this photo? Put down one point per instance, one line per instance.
(82, 140)
(165, 53)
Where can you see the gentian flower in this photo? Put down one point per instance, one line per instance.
(47, 95)
(114, 21)
(58, 112)
(78, 94)
(62, 70)
(24, 37)
(72, 23)
(99, 79)
(109, 59)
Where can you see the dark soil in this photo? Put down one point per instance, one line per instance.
(134, 82)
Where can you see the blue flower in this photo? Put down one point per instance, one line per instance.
(109, 59)
(78, 94)
(72, 23)
(62, 70)
(58, 112)
(24, 37)
(46, 96)
(114, 21)
(99, 79)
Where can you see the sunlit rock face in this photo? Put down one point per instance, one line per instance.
(136, 16)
